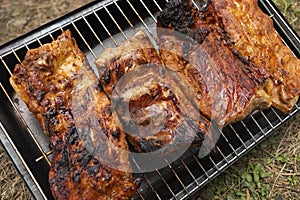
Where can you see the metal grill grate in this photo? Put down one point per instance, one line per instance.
(105, 24)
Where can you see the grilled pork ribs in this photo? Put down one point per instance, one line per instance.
(159, 113)
(209, 45)
(218, 60)
(252, 34)
(46, 81)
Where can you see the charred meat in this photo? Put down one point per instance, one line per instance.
(150, 106)
(253, 35)
(46, 80)
(193, 43)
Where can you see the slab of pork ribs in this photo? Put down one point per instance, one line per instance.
(160, 114)
(57, 83)
(230, 53)
(252, 34)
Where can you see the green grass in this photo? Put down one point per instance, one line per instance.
(251, 181)
(291, 10)
(269, 171)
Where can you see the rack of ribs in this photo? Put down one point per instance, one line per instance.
(209, 46)
(252, 34)
(152, 109)
(57, 83)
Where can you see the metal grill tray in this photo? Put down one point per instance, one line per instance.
(94, 27)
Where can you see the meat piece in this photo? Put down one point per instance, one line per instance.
(113, 63)
(193, 43)
(153, 111)
(254, 37)
(59, 87)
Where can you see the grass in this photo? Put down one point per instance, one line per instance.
(270, 171)
(12, 185)
(244, 184)
(18, 17)
(291, 10)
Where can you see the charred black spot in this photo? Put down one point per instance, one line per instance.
(39, 94)
(200, 34)
(182, 16)
(76, 176)
(255, 73)
(53, 120)
(240, 57)
(149, 145)
(92, 170)
(116, 134)
(30, 86)
(71, 131)
(107, 176)
(84, 158)
(73, 137)
(177, 14)
(51, 112)
(282, 61)
(62, 172)
(77, 150)
(172, 96)
(50, 119)
(106, 78)
(64, 161)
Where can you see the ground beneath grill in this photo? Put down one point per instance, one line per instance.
(271, 170)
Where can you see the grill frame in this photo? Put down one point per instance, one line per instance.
(27, 131)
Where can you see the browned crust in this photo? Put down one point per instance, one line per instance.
(113, 63)
(253, 35)
(46, 80)
(139, 53)
(228, 87)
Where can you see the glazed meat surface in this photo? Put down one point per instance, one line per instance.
(113, 63)
(253, 35)
(194, 44)
(159, 112)
(236, 47)
(59, 87)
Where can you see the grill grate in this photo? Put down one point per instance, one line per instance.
(105, 24)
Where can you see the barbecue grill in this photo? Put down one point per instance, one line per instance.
(95, 27)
